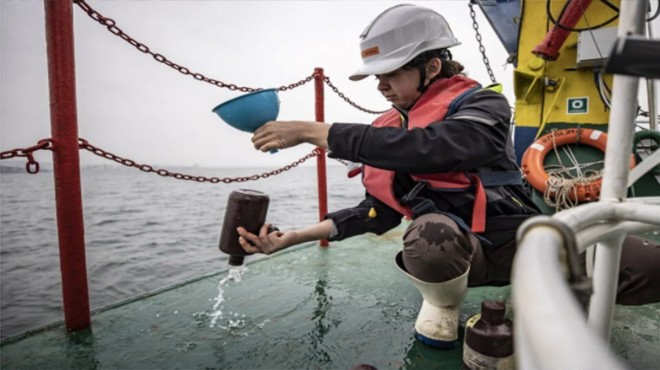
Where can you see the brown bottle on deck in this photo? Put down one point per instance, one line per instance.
(488, 340)
(246, 208)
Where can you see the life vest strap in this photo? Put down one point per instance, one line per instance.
(453, 107)
(479, 207)
(500, 178)
(413, 192)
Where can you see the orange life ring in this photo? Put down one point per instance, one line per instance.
(534, 171)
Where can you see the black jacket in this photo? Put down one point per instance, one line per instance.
(476, 137)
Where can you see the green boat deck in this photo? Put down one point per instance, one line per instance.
(311, 307)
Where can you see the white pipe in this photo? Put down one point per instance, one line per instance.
(650, 91)
(649, 213)
(605, 282)
(590, 255)
(650, 87)
(586, 215)
(643, 167)
(645, 200)
(553, 329)
(624, 111)
(615, 176)
(523, 350)
(587, 237)
(636, 209)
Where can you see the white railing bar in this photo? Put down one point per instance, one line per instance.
(615, 177)
(624, 110)
(586, 215)
(650, 88)
(524, 351)
(645, 200)
(605, 281)
(649, 213)
(606, 230)
(644, 167)
(551, 329)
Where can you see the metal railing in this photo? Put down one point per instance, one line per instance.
(555, 326)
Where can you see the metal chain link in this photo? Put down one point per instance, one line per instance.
(111, 25)
(349, 101)
(32, 166)
(482, 49)
(84, 144)
(296, 84)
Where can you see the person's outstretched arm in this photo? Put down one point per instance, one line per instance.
(274, 241)
(285, 134)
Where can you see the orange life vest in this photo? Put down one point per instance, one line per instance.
(431, 107)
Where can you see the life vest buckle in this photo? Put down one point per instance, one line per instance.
(406, 199)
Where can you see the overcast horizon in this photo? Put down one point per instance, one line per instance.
(137, 108)
(133, 106)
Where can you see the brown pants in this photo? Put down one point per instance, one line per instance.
(435, 249)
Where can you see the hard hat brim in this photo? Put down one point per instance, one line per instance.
(392, 64)
(378, 68)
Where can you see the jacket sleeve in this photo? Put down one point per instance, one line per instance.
(474, 136)
(357, 220)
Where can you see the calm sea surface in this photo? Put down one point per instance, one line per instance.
(142, 231)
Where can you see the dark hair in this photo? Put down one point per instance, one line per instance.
(449, 67)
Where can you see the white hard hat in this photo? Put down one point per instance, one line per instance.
(399, 34)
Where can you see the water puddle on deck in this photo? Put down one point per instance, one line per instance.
(220, 317)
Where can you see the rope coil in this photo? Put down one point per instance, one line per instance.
(561, 185)
(565, 186)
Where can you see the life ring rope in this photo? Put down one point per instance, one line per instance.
(559, 186)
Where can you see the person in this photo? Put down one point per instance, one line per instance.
(443, 156)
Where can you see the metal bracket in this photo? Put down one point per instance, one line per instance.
(578, 280)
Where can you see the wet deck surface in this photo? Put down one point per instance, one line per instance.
(312, 308)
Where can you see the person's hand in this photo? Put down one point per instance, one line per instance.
(286, 134)
(265, 242)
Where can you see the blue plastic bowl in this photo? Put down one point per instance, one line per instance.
(250, 111)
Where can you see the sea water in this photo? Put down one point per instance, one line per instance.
(235, 274)
(142, 232)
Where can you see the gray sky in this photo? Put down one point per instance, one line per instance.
(135, 107)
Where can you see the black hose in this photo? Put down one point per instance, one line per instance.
(555, 22)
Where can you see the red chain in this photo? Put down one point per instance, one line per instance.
(111, 25)
(349, 101)
(84, 144)
(31, 166)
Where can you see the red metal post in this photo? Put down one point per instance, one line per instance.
(66, 162)
(320, 159)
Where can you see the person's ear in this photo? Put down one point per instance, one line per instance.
(433, 68)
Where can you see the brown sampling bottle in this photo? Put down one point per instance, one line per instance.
(488, 340)
(246, 208)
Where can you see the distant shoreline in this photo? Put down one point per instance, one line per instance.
(47, 167)
(16, 169)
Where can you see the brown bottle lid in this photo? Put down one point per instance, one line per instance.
(493, 312)
(236, 260)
